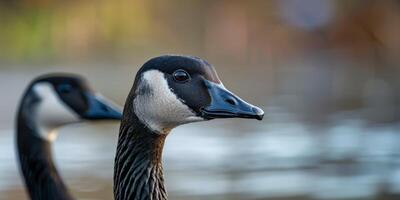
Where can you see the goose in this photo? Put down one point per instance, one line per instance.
(168, 91)
(51, 101)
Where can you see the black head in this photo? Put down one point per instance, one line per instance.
(173, 90)
(74, 93)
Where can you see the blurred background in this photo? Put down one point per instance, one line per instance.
(326, 73)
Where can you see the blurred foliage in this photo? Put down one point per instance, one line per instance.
(41, 29)
(47, 30)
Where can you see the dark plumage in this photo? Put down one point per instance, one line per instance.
(138, 172)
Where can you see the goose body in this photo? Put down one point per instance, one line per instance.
(49, 102)
(168, 91)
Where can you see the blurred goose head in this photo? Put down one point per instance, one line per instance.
(58, 99)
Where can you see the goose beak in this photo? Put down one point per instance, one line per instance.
(225, 104)
(101, 108)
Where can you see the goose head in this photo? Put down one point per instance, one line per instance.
(173, 90)
(61, 99)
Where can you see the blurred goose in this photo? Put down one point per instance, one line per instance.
(48, 103)
(168, 91)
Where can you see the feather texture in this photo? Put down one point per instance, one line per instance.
(138, 172)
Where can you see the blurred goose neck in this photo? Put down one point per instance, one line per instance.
(36, 163)
(138, 172)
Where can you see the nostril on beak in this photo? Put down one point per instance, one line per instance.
(104, 108)
(231, 101)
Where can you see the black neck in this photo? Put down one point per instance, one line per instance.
(41, 177)
(138, 172)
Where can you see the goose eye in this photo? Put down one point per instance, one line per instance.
(64, 88)
(181, 75)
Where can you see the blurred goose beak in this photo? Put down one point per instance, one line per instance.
(225, 104)
(101, 108)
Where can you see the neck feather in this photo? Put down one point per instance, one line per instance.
(40, 174)
(138, 172)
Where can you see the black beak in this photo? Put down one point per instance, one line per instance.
(224, 104)
(101, 108)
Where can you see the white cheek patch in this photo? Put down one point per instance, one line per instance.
(51, 112)
(158, 107)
